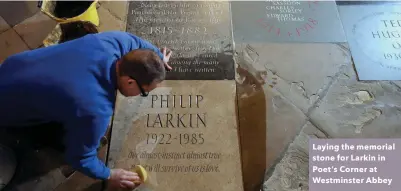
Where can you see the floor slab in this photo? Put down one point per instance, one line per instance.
(292, 172)
(35, 29)
(275, 64)
(268, 123)
(108, 22)
(11, 43)
(372, 32)
(184, 134)
(354, 109)
(14, 12)
(3, 25)
(118, 9)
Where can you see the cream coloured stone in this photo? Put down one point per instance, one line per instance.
(162, 146)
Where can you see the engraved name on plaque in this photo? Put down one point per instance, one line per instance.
(287, 21)
(198, 33)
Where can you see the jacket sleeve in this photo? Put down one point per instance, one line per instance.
(120, 43)
(82, 140)
(139, 43)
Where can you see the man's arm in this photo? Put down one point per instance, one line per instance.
(82, 140)
(126, 42)
(143, 44)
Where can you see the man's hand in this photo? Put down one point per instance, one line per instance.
(120, 178)
(166, 57)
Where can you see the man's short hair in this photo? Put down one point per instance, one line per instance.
(76, 29)
(143, 65)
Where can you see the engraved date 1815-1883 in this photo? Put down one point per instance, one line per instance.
(181, 30)
(182, 138)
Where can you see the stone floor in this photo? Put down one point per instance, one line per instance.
(323, 99)
(24, 27)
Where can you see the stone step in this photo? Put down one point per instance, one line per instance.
(292, 172)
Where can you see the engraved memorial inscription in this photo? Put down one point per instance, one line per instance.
(374, 37)
(198, 33)
(287, 21)
(184, 135)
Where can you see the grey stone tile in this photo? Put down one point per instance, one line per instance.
(284, 122)
(292, 172)
(3, 25)
(268, 123)
(10, 43)
(35, 29)
(48, 181)
(356, 109)
(117, 8)
(398, 83)
(108, 22)
(15, 12)
(79, 182)
(301, 72)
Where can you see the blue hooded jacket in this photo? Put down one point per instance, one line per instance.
(73, 83)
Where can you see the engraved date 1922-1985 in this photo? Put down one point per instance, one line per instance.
(181, 30)
(182, 138)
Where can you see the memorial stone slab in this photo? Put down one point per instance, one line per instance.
(198, 33)
(286, 21)
(185, 132)
(374, 37)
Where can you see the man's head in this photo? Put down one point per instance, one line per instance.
(76, 29)
(139, 72)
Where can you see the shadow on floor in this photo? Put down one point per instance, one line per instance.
(252, 129)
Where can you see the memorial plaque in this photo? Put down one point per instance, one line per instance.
(374, 37)
(184, 134)
(198, 33)
(286, 21)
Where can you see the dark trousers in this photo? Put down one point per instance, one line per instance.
(48, 135)
(38, 149)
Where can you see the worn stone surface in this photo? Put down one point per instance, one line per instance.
(37, 170)
(118, 9)
(35, 29)
(359, 109)
(292, 172)
(265, 136)
(14, 12)
(10, 43)
(301, 72)
(163, 146)
(79, 182)
(108, 22)
(3, 25)
(284, 123)
(48, 181)
(398, 83)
